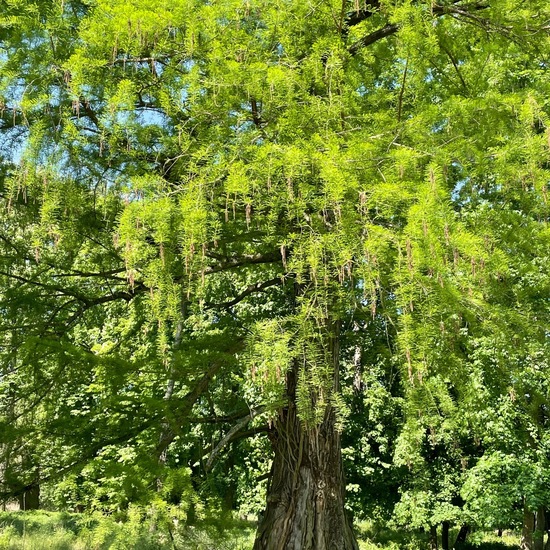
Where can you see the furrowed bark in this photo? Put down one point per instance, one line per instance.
(305, 496)
(305, 502)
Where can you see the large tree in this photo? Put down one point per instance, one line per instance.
(203, 200)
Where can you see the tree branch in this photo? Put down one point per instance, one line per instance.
(245, 259)
(218, 419)
(437, 10)
(109, 274)
(373, 37)
(86, 300)
(185, 407)
(251, 289)
(231, 435)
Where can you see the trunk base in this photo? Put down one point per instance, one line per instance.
(305, 497)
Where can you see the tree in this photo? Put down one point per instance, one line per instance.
(207, 196)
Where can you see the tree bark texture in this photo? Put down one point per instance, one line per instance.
(305, 496)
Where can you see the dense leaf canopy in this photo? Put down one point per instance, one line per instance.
(199, 198)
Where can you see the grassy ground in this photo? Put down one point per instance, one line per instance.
(62, 531)
(374, 536)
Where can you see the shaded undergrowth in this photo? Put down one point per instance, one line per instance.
(380, 536)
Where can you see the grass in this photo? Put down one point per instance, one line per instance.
(376, 536)
(491, 541)
(40, 530)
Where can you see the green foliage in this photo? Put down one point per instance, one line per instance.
(270, 357)
(205, 202)
(374, 535)
(147, 528)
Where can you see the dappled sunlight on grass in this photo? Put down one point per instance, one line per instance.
(41, 530)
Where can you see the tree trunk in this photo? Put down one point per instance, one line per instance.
(30, 500)
(305, 495)
(462, 535)
(433, 537)
(527, 530)
(539, 530)
(445, 535)
(305, 501)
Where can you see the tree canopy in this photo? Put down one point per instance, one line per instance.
(237, 235)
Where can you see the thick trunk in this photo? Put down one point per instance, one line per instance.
(445, 535)
(538, 537)
(527, 542)
(305, 497)
(305, 500)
